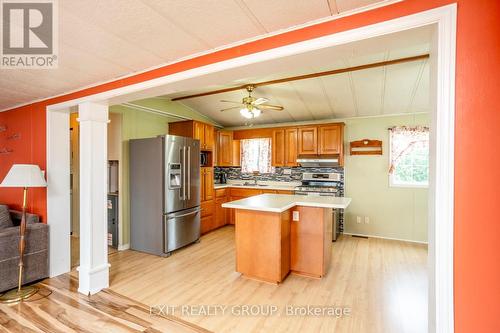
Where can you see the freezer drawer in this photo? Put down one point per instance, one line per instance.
(181, 228)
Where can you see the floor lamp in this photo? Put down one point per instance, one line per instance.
(24, 176)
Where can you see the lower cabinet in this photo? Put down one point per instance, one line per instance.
(213, 216)
(207, 216)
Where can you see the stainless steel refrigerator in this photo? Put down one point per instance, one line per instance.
(164, 193)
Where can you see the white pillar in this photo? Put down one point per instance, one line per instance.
(93, 271)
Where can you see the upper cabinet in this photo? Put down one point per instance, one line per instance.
(284, 147)
(225, 148)
(236, 153)
(194, 129)
(308, 140)
(278, 148)
(291, 146)
(291, 142)
(330, 139)
(208, 135)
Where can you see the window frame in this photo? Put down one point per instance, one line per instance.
(392, 182)
(271, 167)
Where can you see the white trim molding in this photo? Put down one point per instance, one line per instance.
(58, 192)
(381, 237)
(441, 196)
(124, 247)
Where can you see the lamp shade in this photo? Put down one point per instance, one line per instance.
(24, 175)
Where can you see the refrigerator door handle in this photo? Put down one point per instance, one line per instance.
(181, 197)
(189, 172)
(183, 215)
(184, 174)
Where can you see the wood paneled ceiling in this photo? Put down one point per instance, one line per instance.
(395, 89)
(100, 40)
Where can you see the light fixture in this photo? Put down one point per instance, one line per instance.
(24, 176)
(249, 114)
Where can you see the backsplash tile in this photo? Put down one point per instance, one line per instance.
(234, 173)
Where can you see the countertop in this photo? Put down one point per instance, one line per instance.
(278, 203)
(268, 186)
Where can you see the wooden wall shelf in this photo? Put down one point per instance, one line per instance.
(366, 147)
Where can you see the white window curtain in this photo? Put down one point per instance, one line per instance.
(256, 156)
(404, 139)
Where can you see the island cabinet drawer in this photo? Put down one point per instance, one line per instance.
(220, 193)
(270, 191)
(207, 208)
(244, 192)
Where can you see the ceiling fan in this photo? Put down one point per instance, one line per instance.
(251, 107)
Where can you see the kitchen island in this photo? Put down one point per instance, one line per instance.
(277, 234)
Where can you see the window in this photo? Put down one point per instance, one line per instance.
(256, 156)
(409, 156)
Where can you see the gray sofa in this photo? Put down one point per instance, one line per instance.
(36, 255)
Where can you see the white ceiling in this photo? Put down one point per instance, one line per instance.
(100, 40)
(394, 89)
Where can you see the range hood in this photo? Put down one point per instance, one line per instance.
(318, 162)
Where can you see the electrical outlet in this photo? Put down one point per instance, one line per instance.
(295, 216)
(358, 219)
(367, 220)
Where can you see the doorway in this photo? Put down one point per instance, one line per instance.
(441, 203)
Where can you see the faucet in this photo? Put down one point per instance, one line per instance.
(255, 181)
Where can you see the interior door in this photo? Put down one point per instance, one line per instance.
(175, 191)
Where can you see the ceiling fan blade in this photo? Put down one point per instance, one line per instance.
(260, 100)
(226, 101)
(271, 107)
(231, 108)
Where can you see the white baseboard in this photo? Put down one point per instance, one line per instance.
(123, 247)
(389, 238)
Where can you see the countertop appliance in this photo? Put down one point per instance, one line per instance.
(164, 193)
(322, 184)
(222, 178)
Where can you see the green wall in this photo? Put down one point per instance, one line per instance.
(393, 212)
(139, 124)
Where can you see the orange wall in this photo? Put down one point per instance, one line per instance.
(477, 176)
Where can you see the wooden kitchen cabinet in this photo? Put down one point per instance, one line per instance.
(308, 140)
(291, 147)
(221, 214)
(196, 130)
(208, 135)
(278, 148)
(207, 183)
(330, 139)
(236, 153)
(225, 148)
(311, 241)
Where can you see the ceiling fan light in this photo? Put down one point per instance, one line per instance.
(256, 112)
(246, 113)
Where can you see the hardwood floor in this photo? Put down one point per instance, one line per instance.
(383, 283)
(65, 310)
